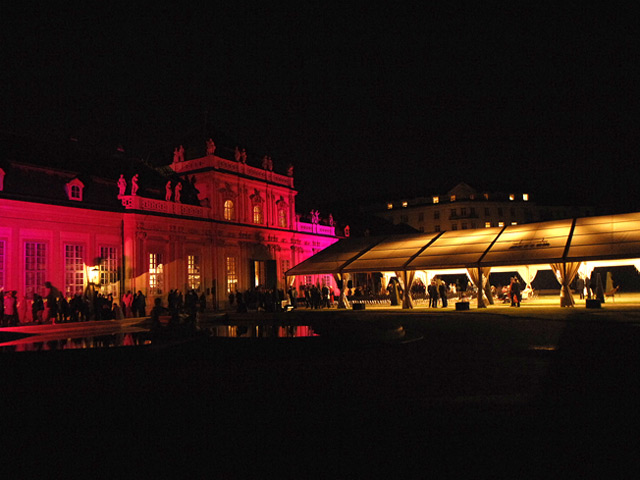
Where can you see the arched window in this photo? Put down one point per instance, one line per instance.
(229, 210)
(257, 214)
(282, 218)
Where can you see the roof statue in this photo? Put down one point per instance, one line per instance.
(243, 156)
(290, 170)
(176, 194)
(211, 147)
(167, 189)
(122, 185)
(134, 185)
(237, 155)
(178, 154)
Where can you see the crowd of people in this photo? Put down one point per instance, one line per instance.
(54, 307)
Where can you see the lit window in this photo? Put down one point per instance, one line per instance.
(35, 268)
(109, 270)
(73, 269)
(487, 224)
(389, 206)
(525, 197)
(156, 271)
(501, 224)
(512, 197)
(405, 204)
(232, 275)
(193, 272)
(486, 196)
(229, 210)
(514, 223)
(453, 198)
(257, 214)
(436, 199)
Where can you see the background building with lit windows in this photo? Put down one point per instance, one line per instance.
(207, 223)
(464, 208)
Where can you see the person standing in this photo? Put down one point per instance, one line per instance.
(127, 302)
(139, 305)
(442, 291)
(432, 290)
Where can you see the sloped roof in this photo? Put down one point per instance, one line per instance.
(610, 237)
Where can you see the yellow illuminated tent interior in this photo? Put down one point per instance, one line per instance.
(567, 247)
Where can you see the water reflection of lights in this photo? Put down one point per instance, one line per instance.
(39, 343)
(260, 331)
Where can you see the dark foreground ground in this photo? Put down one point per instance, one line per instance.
(498, 394)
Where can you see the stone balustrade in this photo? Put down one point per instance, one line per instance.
(135, 202)
(220, 163)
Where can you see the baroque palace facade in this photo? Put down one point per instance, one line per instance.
(210, 223)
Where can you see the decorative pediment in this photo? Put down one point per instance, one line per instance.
(256, 198)
(227, 191)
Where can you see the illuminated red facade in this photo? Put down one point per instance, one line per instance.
(241, 231)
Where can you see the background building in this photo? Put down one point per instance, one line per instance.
(80, 220)
(464, 207)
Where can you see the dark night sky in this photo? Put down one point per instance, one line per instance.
(367, 102)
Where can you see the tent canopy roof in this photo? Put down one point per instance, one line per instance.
(610, 237)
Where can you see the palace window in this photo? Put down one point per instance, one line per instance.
(436, 215)
(109, 269)
(405, 204)
(193, 272)
(453, 198)
(421, 217)
(229, 210)
(487, 212)
(436, 199)
(232, 274)
(454, 226)
(389, 206)
(74, 189)
(35, 268)
(487, 224)
(156, 274)
(525, 197)
(436, 228)
(73, 269)
(258, 218)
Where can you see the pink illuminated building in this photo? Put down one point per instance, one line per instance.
(212, 224)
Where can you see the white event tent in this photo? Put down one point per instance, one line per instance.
(564, 246)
